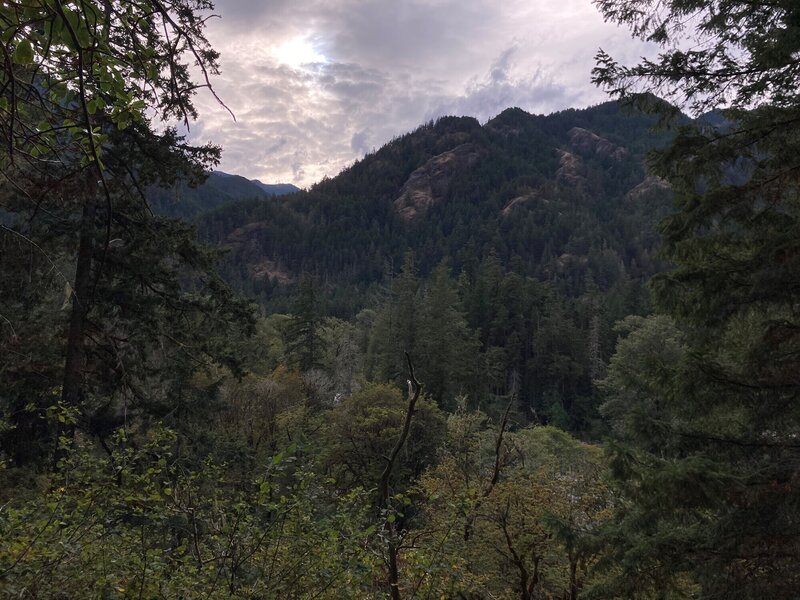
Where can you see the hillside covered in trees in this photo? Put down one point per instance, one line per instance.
(543, 357)
(563, 197)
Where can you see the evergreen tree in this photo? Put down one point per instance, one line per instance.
(447, 349)
(127, 304)
(304, 345)
(395, 328)
(712, 509)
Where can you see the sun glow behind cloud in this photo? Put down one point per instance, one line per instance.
(297, 52)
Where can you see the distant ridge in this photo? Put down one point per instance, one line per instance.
(218, 190)
(277, 189)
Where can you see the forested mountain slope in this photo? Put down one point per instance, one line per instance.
(563, 197)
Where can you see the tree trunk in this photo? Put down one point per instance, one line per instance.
(414, 390)
(71, 391)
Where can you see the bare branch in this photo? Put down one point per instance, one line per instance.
(495, 473)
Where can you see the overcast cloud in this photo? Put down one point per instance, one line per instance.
(316, 84)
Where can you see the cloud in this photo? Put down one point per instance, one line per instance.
(360, 143)
(315, 85)
(503, 86)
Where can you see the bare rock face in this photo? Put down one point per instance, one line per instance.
(268, 269)
(242, 242)
(570, 169)
(516, 202)
(588, 143)
(651, 185)
(430, 182)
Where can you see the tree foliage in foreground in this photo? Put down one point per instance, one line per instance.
(510, 514)
(711, 475)
(141, 522)
(143, 461)
(105, 307)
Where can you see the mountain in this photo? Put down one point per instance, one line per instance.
(219, 189)
(276, 189)
(564, 198)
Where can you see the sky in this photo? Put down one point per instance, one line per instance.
(316, 84)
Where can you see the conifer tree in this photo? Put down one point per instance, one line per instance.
(447, 348)
(304, 345)
(396, 326)
(119, 305)
(712, 511)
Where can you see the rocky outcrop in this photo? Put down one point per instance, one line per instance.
(267, 269)
(430, 182)
(651, 185)
(516, 202)
(570, 169)
(588, 143)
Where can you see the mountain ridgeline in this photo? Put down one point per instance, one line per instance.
(500, 254)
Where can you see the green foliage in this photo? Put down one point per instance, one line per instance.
(396, 326)
(106, 306)
(709, 459)
(138, 523)
(530, 529)
(446, 349)
(157, 440)
(516, 202)
(344, 354)
(646, 361)
(363, 428)
(150, 447)
(542, 258)
(304, 346)
(744, 56)
(83, 69)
